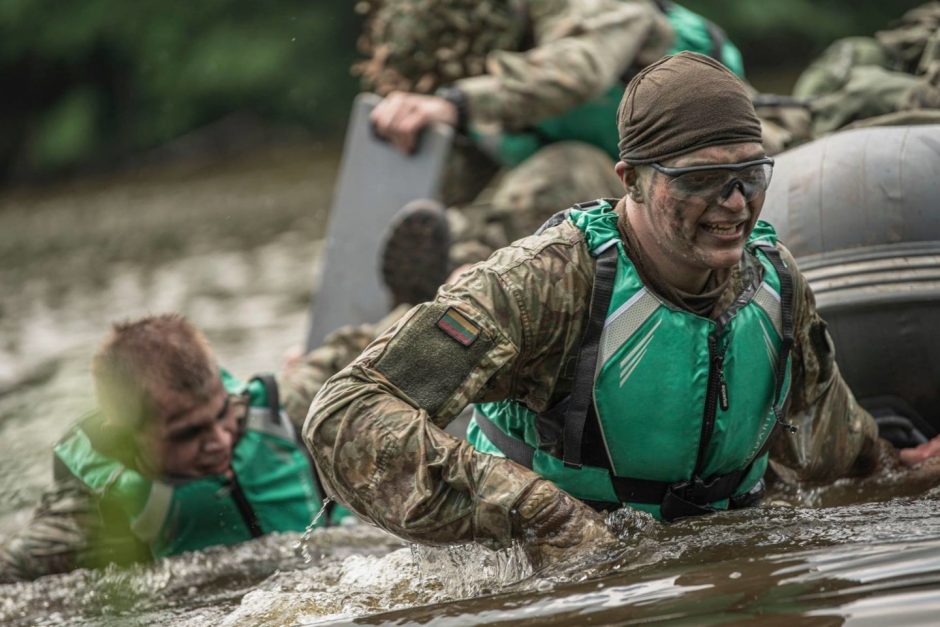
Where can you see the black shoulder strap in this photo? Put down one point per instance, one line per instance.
(555, 220)
(582, 390)
(516, 450)
(718, 38)
(562, 215)
(270, 391)
(786, 314)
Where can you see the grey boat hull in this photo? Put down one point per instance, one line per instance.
(860, 210)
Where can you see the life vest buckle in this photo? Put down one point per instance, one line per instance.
(687, 498)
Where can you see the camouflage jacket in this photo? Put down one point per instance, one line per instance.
(579, 49)
(375, 429)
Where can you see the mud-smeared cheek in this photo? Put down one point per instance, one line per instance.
(678, 229)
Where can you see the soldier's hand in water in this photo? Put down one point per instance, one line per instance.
(401, 116)
(555, 527)
(927, 451)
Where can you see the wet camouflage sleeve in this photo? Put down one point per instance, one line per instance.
(375, 429)
(581, 49)
(299, 382)
(835, 437)
(56, 537)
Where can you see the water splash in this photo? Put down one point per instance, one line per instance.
(303, 546)
(466, 570)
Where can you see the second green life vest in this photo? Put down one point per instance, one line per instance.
(682, 406)
(274, 488)
(594, 122)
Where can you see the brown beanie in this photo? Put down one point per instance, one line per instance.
(682, 103)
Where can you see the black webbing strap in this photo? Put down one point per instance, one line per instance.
(556, 219)
(679, 500)
(786, 315)
(270, 391)
(718, 38)
(696, 495)
(698, 491)
(582, 390)
(244, 508)
(516, 450)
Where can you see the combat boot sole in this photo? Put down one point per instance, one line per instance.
(415, 254)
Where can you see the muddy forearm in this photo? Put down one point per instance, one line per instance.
(581, 50)
(389, 463)
(54, 539)
(375, 429)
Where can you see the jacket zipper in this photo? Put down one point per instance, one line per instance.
(716, 394)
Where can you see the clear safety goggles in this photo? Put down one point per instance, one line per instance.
(718, 181)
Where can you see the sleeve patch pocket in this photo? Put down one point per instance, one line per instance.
(432, 355)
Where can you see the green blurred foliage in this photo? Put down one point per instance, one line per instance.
(90, 82)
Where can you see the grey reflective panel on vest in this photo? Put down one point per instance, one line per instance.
(149, 522)
(769, 300)
(624, 322)
(599, 249)
(260, 419)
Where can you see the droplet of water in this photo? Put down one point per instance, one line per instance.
(304, 544)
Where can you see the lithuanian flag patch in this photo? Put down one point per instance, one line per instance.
(459, 327)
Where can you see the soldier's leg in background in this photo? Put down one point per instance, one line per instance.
(467, 173)
(831, 70)
(414, 257)
(520, 201)
(871, 81)
(926, 95)
(869, 92)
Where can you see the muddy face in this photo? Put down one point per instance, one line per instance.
(687, 235)
(191, 439)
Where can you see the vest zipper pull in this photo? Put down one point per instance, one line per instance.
(778, 415)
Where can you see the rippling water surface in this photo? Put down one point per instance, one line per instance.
(233, 246)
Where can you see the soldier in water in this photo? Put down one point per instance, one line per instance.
(658, 351)
(180, 455)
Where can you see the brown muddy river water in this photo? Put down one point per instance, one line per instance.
(234, 246)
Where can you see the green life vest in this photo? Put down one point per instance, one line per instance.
(683, 403)
(274, 487)
(594, 122)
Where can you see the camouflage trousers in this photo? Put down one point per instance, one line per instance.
(518, 201)
(864, 81)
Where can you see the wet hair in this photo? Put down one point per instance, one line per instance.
(163, 352)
